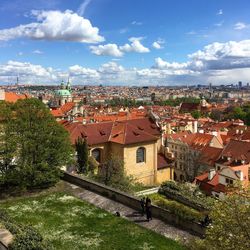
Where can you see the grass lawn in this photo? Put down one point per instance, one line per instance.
(70, 223)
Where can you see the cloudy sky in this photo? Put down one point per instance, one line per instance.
(132, 42)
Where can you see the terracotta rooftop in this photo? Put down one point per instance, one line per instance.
(13, 97)
(122, 132)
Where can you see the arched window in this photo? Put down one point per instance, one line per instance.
(96, 153)
(140, 155)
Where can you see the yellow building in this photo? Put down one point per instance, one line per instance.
(137, 142)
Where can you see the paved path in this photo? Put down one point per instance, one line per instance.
(147, 191)
(5, 237)
(130, 214)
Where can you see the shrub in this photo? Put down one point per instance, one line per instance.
(25, 237)
(182, 211)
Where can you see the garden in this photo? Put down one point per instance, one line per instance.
(62, 221)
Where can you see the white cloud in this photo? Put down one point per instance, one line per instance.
(55, 25)
(240, 26)
(27, 72)
(124, 30)
(110, 49)
(81, 10)
(161, 64)
(191, 32)
(111, 68)
(158, 44)
(219, 63)
(219, 24)
(20, 53)
(37, 51)
(136, 23)
(220, 12)
(135, 46)
(77, 70)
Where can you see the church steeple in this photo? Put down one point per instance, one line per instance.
(68, 86)
(62, 85)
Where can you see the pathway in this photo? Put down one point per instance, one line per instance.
(130, 214)
(5, 237)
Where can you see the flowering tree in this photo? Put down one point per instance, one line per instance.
(230, 227)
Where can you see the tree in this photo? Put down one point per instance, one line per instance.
(196, 114)
(42, 145)
(230, 228)
(8, 142)
(82, 154)
(112, 174)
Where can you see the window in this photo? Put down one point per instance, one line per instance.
(96, 153)
(229, 181)
(140, 155)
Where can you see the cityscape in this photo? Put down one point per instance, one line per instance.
(124, 125)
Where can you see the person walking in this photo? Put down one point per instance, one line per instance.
(148, 209)
(142, 202)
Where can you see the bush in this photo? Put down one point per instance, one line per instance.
(182, 211)
(25, 237)
(187, 191)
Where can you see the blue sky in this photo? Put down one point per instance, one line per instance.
(125, 42)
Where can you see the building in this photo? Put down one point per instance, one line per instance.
(137, 142)
(233, 164)
(63, 95)
(187, 148)
(11, 96)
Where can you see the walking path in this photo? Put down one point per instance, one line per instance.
(130, 214)
(147, 191)
(5, 237)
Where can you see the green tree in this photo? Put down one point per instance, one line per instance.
(82, 154)
(8, 141)
(230, 228)
(42, 145)
(196, 114)
(112, 174)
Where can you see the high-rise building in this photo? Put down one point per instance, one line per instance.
(240, 84)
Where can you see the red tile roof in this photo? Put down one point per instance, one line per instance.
(13, 97)
(122, 132)
(57, 113)
(67, 107)
(237, 150)
(163, 162)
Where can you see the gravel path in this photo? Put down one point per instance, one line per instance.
(130, 214)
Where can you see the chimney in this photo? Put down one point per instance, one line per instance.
(211, 174)
(239, 173)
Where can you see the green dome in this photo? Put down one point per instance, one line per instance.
(62, 92)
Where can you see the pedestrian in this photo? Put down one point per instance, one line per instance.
(148, 209)
(142, 202)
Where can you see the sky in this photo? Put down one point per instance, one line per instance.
(125, 42)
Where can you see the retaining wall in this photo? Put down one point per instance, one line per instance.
(133, 202)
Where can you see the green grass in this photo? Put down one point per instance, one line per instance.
(70, 223)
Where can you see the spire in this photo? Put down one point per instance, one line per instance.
(62, 85)
(68, 87)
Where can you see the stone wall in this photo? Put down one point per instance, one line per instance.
(133, 202)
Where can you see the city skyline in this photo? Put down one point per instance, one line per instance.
(125, 42)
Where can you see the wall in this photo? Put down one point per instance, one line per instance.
(133, 202)
(144, 172)
(2, 246)
(164, 175)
